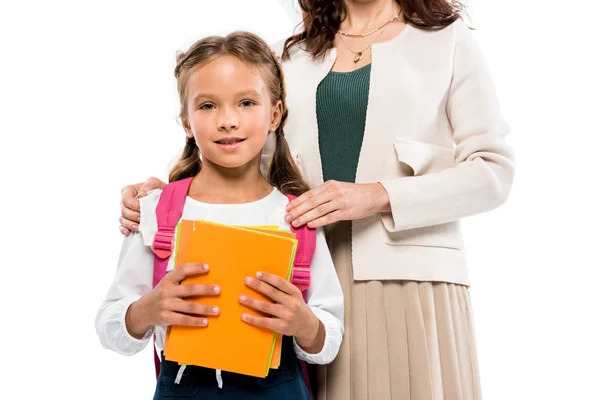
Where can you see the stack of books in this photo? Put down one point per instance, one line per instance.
(232, 253)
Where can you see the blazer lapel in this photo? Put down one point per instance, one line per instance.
(305, 105)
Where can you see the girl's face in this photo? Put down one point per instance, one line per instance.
(229, 112)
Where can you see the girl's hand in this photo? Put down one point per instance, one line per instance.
(130, 205)
(165, 304)
(337, 201)
(290, 315)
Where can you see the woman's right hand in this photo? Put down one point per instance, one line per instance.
(166, 305)
(130, 205)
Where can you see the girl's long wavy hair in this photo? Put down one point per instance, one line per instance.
(322, 19)
(250, 49)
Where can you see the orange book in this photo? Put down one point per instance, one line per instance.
(276, 358)
(228, 343)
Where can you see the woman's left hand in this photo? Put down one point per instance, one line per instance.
(290, 315)
(337, 201)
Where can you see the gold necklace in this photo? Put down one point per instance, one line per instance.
(359, 55)
(373, 31)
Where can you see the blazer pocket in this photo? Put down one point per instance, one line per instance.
(422, 157)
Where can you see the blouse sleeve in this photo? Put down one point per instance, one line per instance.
(326, 300)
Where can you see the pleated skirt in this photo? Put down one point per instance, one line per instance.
(403, 339)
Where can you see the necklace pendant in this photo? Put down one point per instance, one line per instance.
(358, 56)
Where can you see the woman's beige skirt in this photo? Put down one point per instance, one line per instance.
(403, 339)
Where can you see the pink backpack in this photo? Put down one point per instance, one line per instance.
(168, 213)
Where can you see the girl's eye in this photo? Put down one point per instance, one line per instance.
(247, 103)
(207, 106)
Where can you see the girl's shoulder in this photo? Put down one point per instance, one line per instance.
(273, 205)
(148, 223)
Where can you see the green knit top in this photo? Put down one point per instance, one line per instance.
(342, 99)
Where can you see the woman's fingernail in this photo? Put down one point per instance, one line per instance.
(245, 317)
(295, 223)
(215, 310)
(216, 289)
(288, 218)
(243, 298)
(134, 227)
(139, 217)
(205, 267)
(259, 275)
(248, 280)
(203, 322)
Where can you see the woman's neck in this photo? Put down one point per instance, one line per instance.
(215, 184)
(364, 16)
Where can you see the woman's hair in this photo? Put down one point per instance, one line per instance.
(322, 19)
(250, 49)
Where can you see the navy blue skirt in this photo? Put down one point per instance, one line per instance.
(286, 382)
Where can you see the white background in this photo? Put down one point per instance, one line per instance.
(88, 105)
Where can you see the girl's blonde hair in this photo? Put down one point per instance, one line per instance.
(252, 50)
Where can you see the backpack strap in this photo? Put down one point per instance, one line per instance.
(168, 211)
(307, 242)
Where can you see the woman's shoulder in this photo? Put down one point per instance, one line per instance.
(454, 32)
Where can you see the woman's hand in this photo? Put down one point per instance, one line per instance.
(289, 315)
(130, 205)
(166, 305)
(337, 201)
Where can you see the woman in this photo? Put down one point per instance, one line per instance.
(393, 107)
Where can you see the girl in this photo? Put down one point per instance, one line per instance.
(232, 99)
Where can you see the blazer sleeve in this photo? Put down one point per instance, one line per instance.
(484, 171)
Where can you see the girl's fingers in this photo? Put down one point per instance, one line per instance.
(276, 282)
(273, 324)
(194, 290)
(271, 291)
(174, 318)
(275, 310)
(193, 309)
(180, 273)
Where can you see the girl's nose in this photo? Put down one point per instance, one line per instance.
(228, 122)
